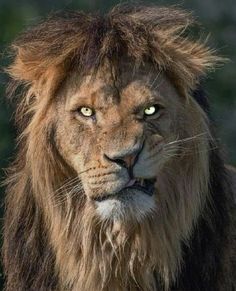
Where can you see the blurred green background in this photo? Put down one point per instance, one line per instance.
(216, 17)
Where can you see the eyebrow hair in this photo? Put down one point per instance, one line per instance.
(89, 99)
(146, 103)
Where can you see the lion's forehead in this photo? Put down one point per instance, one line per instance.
(126, 91)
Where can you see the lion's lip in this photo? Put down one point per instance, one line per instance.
(144, 185)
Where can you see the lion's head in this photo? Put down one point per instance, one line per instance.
(119, 133)
(114, 149)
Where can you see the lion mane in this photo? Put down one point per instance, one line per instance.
(64, 246)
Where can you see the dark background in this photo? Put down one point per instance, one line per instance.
(217, 18)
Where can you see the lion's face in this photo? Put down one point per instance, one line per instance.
(116, 135)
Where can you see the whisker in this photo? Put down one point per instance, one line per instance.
(71, 181)
(178, 141)
(187, 139)
(68, 195)
(173, 152)
(154, 81)
(203, 151)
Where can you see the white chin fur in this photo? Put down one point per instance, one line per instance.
(126, 206)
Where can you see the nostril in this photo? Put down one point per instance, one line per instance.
(117, 161)
(120, 162)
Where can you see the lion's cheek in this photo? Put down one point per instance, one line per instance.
(71, 155)
(148, 165)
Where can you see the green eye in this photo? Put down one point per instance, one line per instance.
(151, 110)
(86, 111)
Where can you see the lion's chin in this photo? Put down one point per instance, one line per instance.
(129, 205)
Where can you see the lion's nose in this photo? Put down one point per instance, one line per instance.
(125, 159)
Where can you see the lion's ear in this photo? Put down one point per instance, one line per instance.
(27, 65)
(164, 34)
(43, 52)
(40, 76)
(188, 59)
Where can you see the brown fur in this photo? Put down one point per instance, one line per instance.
(53, 237)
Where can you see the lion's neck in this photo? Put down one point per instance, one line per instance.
(108, 256)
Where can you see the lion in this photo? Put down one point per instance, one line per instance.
(119, 182)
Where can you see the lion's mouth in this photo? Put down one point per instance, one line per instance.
(144, 185)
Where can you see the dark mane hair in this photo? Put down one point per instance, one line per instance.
(210, 235)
